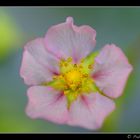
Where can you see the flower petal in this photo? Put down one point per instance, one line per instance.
(90, 110)
(47, 103)
(68, 40)
(38, 65)
(111, 71)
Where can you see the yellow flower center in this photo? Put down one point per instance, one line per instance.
(74, 79)
(73, 76)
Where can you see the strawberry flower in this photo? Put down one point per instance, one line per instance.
(69, 82)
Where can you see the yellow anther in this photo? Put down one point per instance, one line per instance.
(60, 76)
(54, 77)
(65, 64)
(61, 63)
(66, 92)
(82, 60)
(90, 66)
(69, 59)
(75, 95)
(85, 75)
(66, 87)
(80, 66)
(75, 65)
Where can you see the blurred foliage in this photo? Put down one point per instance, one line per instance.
(10, 35)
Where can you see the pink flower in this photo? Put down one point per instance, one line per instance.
(71, 84)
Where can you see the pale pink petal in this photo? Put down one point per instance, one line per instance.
(111, 71)
(38, 65)
(40, 53)
(90, 110)
(47, 103)
(68, 40)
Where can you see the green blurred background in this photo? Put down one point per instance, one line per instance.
(18, 25)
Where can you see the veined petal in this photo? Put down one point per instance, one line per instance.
(68, 40)
(111, 71)
(47, 103)
(90, 110)
(38, 65)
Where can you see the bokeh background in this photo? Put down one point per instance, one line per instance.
(18, 25)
